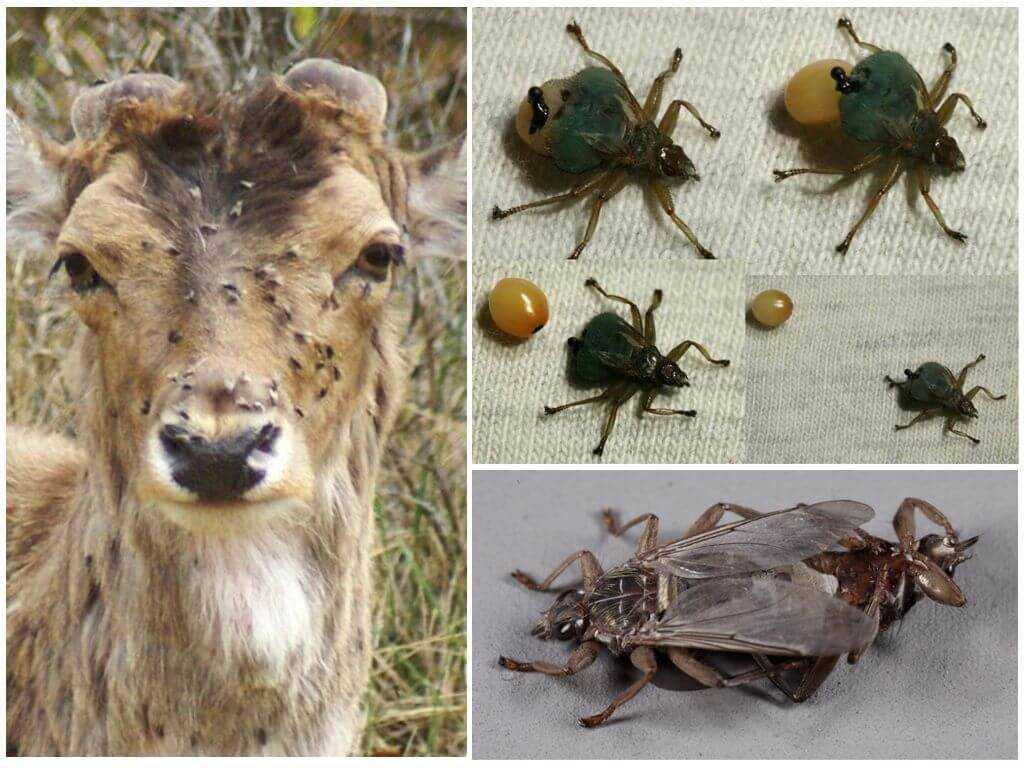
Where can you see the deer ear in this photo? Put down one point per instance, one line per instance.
(357, 91)
(36, 204)
(91, 108)
(437, 201)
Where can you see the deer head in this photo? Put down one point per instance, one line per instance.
(232, 260)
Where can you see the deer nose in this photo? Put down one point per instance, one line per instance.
(222, 469)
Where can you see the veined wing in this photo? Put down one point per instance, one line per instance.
(772, 540)
(760, 614)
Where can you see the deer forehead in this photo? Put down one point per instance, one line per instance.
(126, 217)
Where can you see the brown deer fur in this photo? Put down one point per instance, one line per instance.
(229, 236)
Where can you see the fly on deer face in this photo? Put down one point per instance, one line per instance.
(882, 578)
(707, 590)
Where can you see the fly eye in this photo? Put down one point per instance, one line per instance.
(80, 273)
(375, 259)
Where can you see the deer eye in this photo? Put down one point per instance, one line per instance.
(80, 273)
(375, 259)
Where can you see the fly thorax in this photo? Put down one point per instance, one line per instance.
(647, 363)
(621, 601)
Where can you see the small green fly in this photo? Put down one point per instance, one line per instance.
(591, 123)
(934, 390)
(623, 358)
(886, 105)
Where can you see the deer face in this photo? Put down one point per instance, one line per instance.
(233, 262)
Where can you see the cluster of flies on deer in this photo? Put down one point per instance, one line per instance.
(792, 591)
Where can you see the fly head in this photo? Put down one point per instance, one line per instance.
(565, 619)
(673, 162)
(669, 374)
(946, 153)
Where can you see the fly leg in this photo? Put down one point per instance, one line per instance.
(712, 516)
(665, 198)
(581, 658)
(939, 89)
(893, 383)
(648, 539)
(550, 409)
(589, 567)
(653, 101)
(873, 159)
(576, 192)
(634, 310)
(574, 29)
(650, 336)
(894, 174)
(677, 352)
(925, 414)
(904, 525)
(710, 677)
(924, 186)
(950, 421)
(845, 23)
(975, 390)
(649, 396)
(624, 393)
(814, 675)
(962, 376)
(668, 121)
(615, 185)
(946, 110)
(643, 659)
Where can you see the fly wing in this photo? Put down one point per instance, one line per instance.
(769, 541)
(761, 614)
(626, 343)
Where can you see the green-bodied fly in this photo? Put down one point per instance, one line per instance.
(935, 391)
(622, 357)
(886, 106)
(592, 124)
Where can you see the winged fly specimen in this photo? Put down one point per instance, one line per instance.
(882, 578)
(591, 123)
(623, 358)
(706, 590)
(934, 388)
(886, 105)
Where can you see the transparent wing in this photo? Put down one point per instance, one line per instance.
(770, 541)
(761, 614)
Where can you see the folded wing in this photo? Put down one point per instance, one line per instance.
(773, 540)
(762, 614)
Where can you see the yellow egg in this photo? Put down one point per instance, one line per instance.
(771, 308)
(518, 307)
(811, 95)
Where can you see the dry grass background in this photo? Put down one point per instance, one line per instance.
(417, 701)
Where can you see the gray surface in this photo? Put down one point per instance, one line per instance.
(943, 685)
(736, 62)
(815, 388)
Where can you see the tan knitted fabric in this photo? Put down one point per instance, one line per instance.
(511, 383)
(815, 391)
(735, 65)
